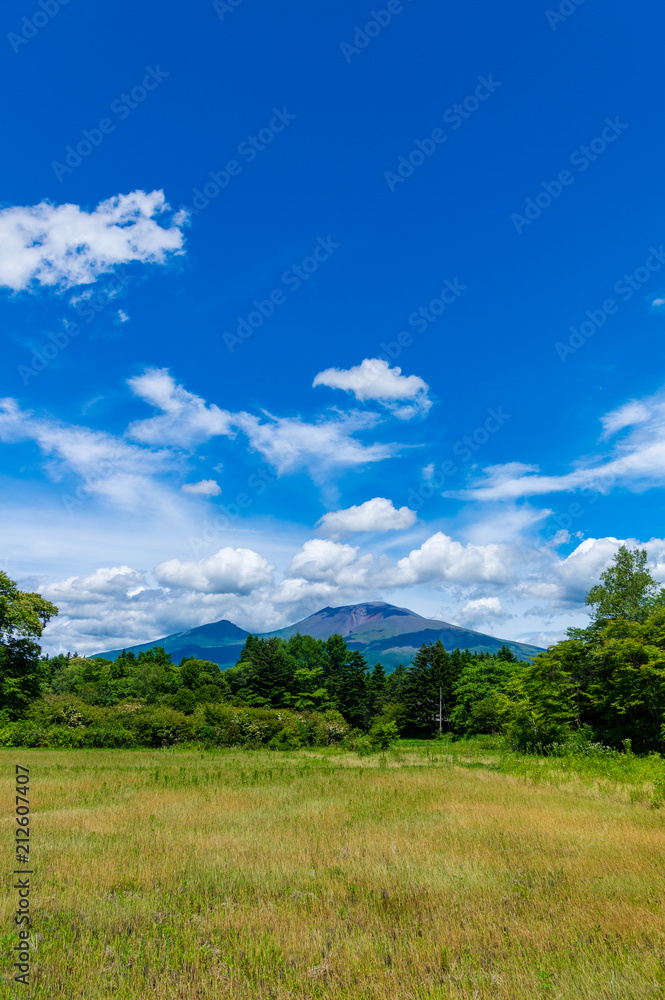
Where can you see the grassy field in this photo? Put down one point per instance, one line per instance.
(275, 875)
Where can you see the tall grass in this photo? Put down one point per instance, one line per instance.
(428, 871)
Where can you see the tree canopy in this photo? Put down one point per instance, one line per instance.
(23, 616)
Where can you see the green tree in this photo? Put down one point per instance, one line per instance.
(23, 617)
(627, 592)
(396, 684)
(376, 688)
(351, 690)
(541, 700)
(433, 671)
(624, 691)
(266, 676)
(475, 708)
(310, 692)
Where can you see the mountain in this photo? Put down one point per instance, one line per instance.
(220, 642)
(390, 635)
(381, 632)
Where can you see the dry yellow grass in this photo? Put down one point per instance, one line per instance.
(266, 875)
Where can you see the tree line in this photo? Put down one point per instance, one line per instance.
(606, 681)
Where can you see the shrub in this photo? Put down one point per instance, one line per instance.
(64, 721)
(383, 735)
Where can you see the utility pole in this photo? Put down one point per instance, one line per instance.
(440, 709)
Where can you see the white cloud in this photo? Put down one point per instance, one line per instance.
(205, 488)
(636, 463)
(229, 571)
(441, 559)
(321, 560)
(484, 611)
(628, 415)
(136, 472)
(543, 639)
(186, 419)
(374, 379)
(116, 606)
(107, 465)
(289, 443)
(509, 523)
(377, 514)
(104, 584)
(63, 245)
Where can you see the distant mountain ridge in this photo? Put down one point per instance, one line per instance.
(381, 632)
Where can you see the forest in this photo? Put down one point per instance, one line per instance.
(605, 683)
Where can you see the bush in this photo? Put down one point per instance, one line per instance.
(383, 735)
(64, 721)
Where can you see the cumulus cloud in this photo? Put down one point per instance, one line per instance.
(377, 514)
(205, 488)
(64, 245)
(440, 558)
(483, 611)
(116, 606)
(106, 583)
(637, 461)
(321, 560)
(229, 571)
(405, 395)
(185, 420)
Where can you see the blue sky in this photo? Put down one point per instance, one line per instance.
(329, 305)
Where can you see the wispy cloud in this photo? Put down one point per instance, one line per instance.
(110, 467)
(291, 443)
(186, 419)
(636, 462)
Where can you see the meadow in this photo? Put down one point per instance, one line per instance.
(428, 871)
